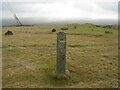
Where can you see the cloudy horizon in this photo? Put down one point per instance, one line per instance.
(60, 12)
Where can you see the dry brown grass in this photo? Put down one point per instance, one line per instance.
(29, 58)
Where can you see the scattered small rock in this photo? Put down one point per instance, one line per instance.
(64, 28)
(9, 33)
(108, 32)
(53, 30)
(110, 63)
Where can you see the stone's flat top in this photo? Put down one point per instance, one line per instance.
(61, 36)
(61, 33)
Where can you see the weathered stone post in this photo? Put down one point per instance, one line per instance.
(61, 54)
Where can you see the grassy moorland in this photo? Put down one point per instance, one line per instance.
(29, 56)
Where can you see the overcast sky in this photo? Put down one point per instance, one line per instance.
(58, 11)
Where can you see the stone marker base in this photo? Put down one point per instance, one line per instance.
(62, 76)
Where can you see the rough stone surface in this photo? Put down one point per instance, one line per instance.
(61, 53)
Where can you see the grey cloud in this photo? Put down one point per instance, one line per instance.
(29, 10)
(108, 6)
(84, 6)
(18, 7)
(37, 1)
